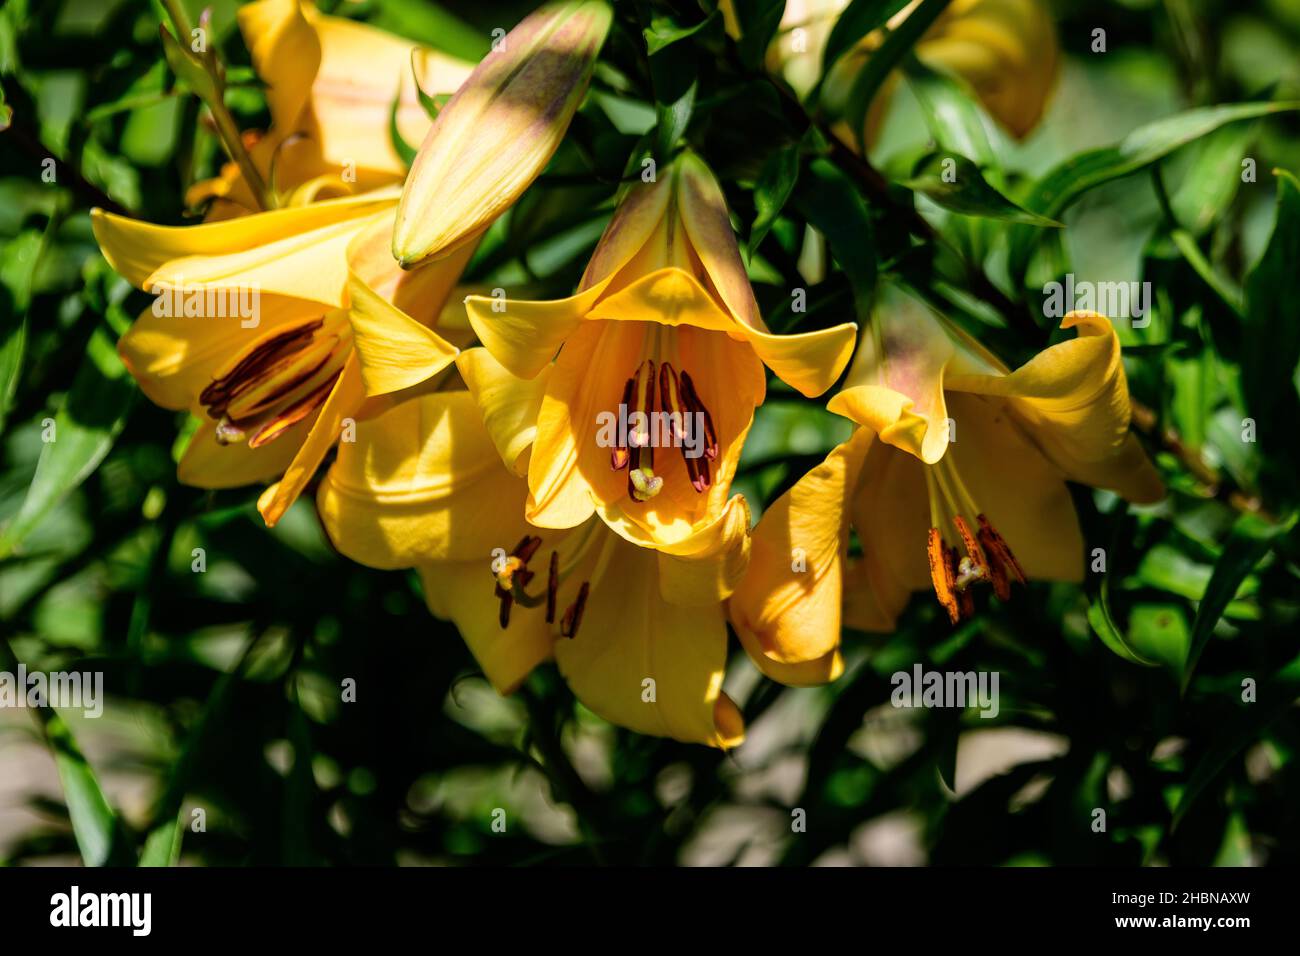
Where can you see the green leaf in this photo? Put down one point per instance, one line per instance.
(405, 151)
(1211, 181)
(18, 263)
(830, 201)
(1274, 697)
(664, 31)
(1251, 539)
(1052, 194)
(956, 184)
(432, 24)
(84, 430)
(759, 21)
(882, 62)
(1104, 627)
(775, 183)
(1159, 633)
(951, 114)
(859, 18)
(672, 119)
(99, 836)
(1270, 332)
(162, 847)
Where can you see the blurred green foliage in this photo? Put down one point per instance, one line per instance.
(225, 685)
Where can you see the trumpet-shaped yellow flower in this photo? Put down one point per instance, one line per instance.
(424, 486)
(955, 481)
(331, 86)
(659, 368)
(500, 129)
(250, 330)
(1005, 50)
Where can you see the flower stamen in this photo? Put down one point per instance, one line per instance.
(573, 616)
(278, 383)
(954, 517)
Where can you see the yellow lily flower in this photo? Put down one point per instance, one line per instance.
(250, 330)
(331, 84)
(1005, 50)
(662, 345)
(499, 131)
(955, 480)
(424, 486)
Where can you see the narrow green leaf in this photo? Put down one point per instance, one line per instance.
(1270, 332)
(951, 114)
(405, 151)
(99, 836)
(1250, 540)
(1211, 181)
(673, 118)
(775, 183)
(80, 435)
(162, 847)
(956, 184)
(432, 24)
(759, 21)
(882, 62)
(1104, 627)
(831, 203)
(1274, 697)
(18, 263)
(859, 18)
(664, 31)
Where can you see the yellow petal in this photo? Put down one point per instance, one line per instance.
(510, 405)
(462, 592)
(808, 361)
(1073, 399)
(524, 336)
(286, 53)
(174, 357)
(362, 71)
(654, 667)
(706, 567)
(704, 213)
(588, 370)
(297, 252)
(639, 215)
(891, 516)
(823, 670)
(1006, 50)
(208, 464)
(395, 350)
(344, 401)
(422, 482)
(896, 385)
(1022, 493)
(500, 130)
(790, 597)
(668, 296)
